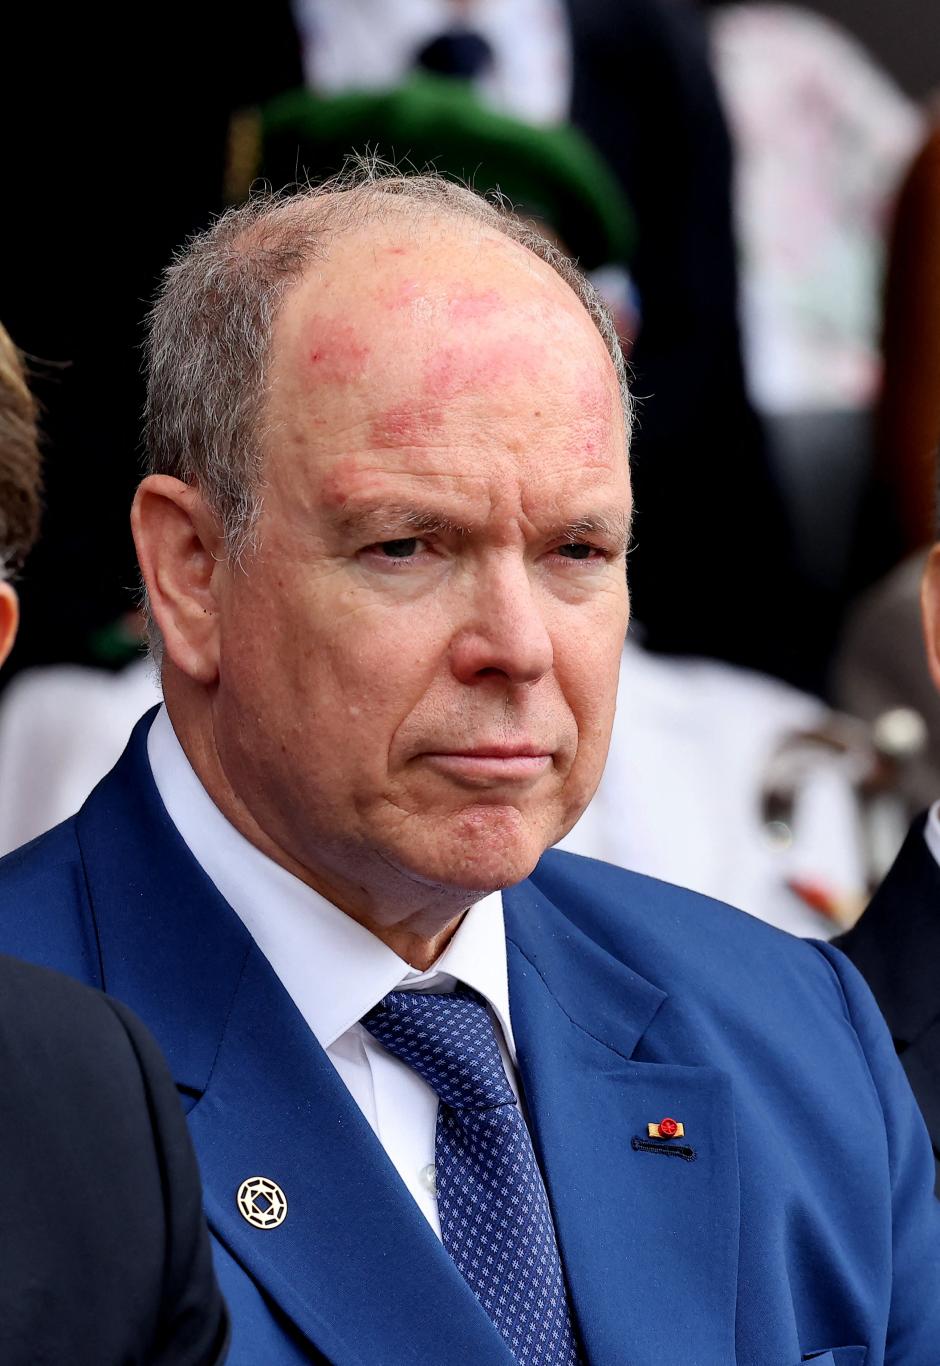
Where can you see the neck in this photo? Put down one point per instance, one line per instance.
(415, 920)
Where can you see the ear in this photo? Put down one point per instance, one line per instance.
(9, 618)
(930, 612)
(180, 549)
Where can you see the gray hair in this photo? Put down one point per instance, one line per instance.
(210, 328)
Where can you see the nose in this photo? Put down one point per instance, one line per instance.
(506, 634)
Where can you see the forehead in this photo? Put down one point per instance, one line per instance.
(443, 343)
(420, 285)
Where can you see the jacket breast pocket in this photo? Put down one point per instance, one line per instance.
(837, 1356)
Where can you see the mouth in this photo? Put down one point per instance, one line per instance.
(490, 765)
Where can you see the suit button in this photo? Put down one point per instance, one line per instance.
(668, 1128)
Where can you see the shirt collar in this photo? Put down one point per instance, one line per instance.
(333, 968)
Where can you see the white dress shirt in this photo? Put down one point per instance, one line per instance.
(335, 971)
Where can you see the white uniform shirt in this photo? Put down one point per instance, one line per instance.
(680, 797)
(334, 970)
(371, 45)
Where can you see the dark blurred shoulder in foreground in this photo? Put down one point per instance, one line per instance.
(103, 1249)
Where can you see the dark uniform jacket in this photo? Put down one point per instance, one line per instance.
(896, 946)
(104, 1256)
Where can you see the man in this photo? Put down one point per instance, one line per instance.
(896, 944)
(105, 1259)
(453, 1101)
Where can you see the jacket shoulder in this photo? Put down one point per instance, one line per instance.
(604, 893)
(679, 937)
(45, 917)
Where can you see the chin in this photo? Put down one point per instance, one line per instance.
(485, 849)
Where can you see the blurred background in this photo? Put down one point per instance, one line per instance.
(754, 187)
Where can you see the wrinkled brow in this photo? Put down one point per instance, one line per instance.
(390, 519)
(615, 529)
(386, 522)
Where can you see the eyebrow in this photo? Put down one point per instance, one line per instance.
(387, 520)
(615, 528)
(392, 518)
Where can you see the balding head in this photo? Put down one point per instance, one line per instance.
(208, 348)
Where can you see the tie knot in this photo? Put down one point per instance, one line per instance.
(460, 53)
(449, 1040)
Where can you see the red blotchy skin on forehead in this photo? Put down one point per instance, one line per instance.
(471, 304)
(590, 440)
(596, 405)
(346, 478)
(405, 426)
(398, 294)
(595, 396)
(335, 352)
(451, 369)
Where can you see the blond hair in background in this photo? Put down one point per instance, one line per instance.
(20, 478)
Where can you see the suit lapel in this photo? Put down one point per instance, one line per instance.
(354, 1265)
(649, 1241)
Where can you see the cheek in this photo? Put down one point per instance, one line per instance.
(587, 664)
(336, 679)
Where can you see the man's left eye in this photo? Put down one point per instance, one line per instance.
(576, 550)
(402, 549)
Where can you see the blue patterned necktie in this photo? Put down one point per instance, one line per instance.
(495, 1219)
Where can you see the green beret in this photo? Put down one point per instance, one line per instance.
(550, 174)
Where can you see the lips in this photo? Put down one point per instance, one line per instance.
(491, 764)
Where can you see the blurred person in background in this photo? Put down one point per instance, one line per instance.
(822, 135)
(733, 784)
(62, 728)
(104, 1258)
(908, 413)
(880, 664)
(317, 871)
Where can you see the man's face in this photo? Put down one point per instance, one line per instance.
(419, 663)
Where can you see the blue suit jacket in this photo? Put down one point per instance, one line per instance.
(803, 1225)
